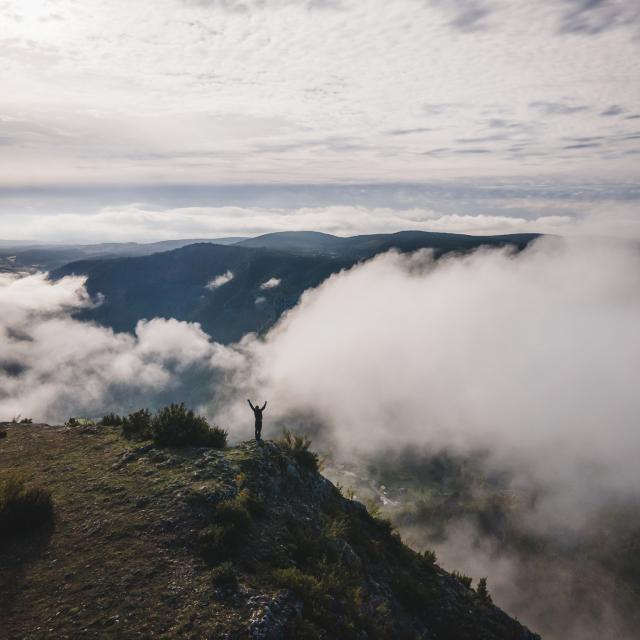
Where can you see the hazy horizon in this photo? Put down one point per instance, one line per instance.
(189, 118)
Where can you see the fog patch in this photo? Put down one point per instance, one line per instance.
(271, 283)
(220, 280)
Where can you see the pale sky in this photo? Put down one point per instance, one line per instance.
(115, 112)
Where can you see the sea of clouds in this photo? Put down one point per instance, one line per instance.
(534, 357)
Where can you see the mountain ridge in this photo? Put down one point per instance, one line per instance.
(182, 283)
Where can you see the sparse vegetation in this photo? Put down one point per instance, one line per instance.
(26, 421)
(177, 426)
(112, 420)
(297, 446)
(137, 425)
(3, 433)
(23, 508)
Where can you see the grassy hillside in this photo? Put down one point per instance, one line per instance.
(246, 542)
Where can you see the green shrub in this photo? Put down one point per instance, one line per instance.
(411, 593)
(337, 526)
(224, 576)
(373, 508)
(232, 522)
(72, 422)
(384, 526)
(214, 543)
(177, 426)
(482, 593)
(297, 446)
(233, 513)
(22, 508)
(466, 580)
(137, 425)
(308, 588)
(301, 629)
(112, 420)
(26, 421)
(428, 556)
(246, 499)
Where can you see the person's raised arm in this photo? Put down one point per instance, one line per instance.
(252, 407)
(264, 405)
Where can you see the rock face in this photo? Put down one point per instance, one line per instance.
(249, 542)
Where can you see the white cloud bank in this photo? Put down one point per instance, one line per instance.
(52, 366)
(138, 223)
(535, 357)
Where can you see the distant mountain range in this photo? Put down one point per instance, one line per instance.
(45, 257)
(233, 289)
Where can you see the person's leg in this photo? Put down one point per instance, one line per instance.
(259, 431)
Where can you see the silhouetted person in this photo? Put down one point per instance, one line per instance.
(257, 412)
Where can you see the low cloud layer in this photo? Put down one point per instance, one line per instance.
(534, 357)
(144, 224)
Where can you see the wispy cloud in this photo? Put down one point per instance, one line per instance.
(558, 108)
(310, 91)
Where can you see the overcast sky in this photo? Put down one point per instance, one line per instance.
(164, 118)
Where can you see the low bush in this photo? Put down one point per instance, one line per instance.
(232, 522)
(233, 513)
(297, 446)
(214, 543)
(3, 433)
(301, 629)
(224, 576)
(466, 580)
(177, 426)
(112, 420)
(307, 587)
(23, 508)
(137, 425)
(411, 593)
(26, 421)
(428, 557)
(482, 593)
